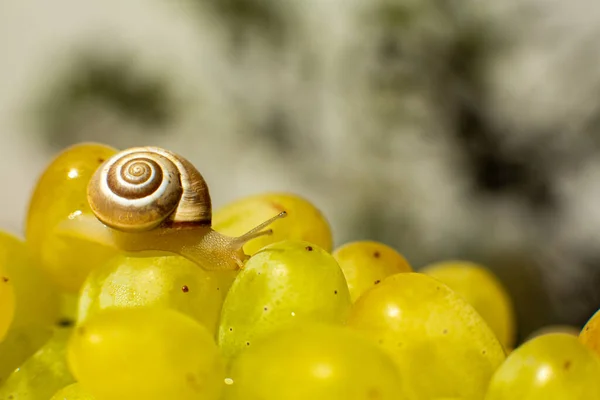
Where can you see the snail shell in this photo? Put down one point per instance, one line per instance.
(140, 188)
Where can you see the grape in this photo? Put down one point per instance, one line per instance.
(483, 291)
(590, 334)
(313, 361)
(43, 373)
(224, 280)
(549, 367)
(7, 302)
(73, 392)
(366, 263)
(146, 353)
(570, 330)
(284, 283)
(20, 343)
(37, 301)
(170, 281)
(61, 193)
(304, 221)
(69, 305)
(441, 345)
(36, 305)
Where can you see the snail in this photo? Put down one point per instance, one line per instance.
(151, 199)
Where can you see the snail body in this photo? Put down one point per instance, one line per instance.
(151, 199)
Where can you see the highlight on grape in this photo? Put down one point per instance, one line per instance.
(301, 318)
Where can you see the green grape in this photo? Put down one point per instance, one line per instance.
(43, 373)
(303, 222)
(146, 353)
(73, 392)
(366, 263)
(554, 366)
(284, 283)
(7, 302)
(590, 334)
(20, 343)
(61, 194)
(37, 301)
(170, 281)
(316, 362)
(482, 289)
(441, 345)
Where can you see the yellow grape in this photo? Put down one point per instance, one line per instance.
(316, 362)
(441, 345)
(304, 221)
(284, 283)
(43, 373)
(146, 353)
(567, 329)
(20, 343)
(36, 305)
(590, 334)
(60, 194)
(69, 304)
(7, 302)
(554, 366)
(224, 280)
(482, 289)
(169, 281)
(37, 301)
(73, 392)
(365, 263)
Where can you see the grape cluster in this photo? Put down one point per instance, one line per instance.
(301, 320)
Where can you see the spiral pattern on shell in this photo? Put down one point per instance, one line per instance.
(137, 189)
(135, 178)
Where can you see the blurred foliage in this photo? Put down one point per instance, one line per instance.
(98, 83)
(277, 130)
(390, 14)
(432, 47)
(246, 17)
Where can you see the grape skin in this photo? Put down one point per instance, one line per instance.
(284, 283)
(441, 345)
(61, 193)
(365, 263)
(304, 221)
(37, 300)
(148, 353)
(43, 373)
(483, 290)
(167, 281)
(73, 392)
(553, 366)
(20, 343)
(590, 334)
(314, 361)
(7, 303)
